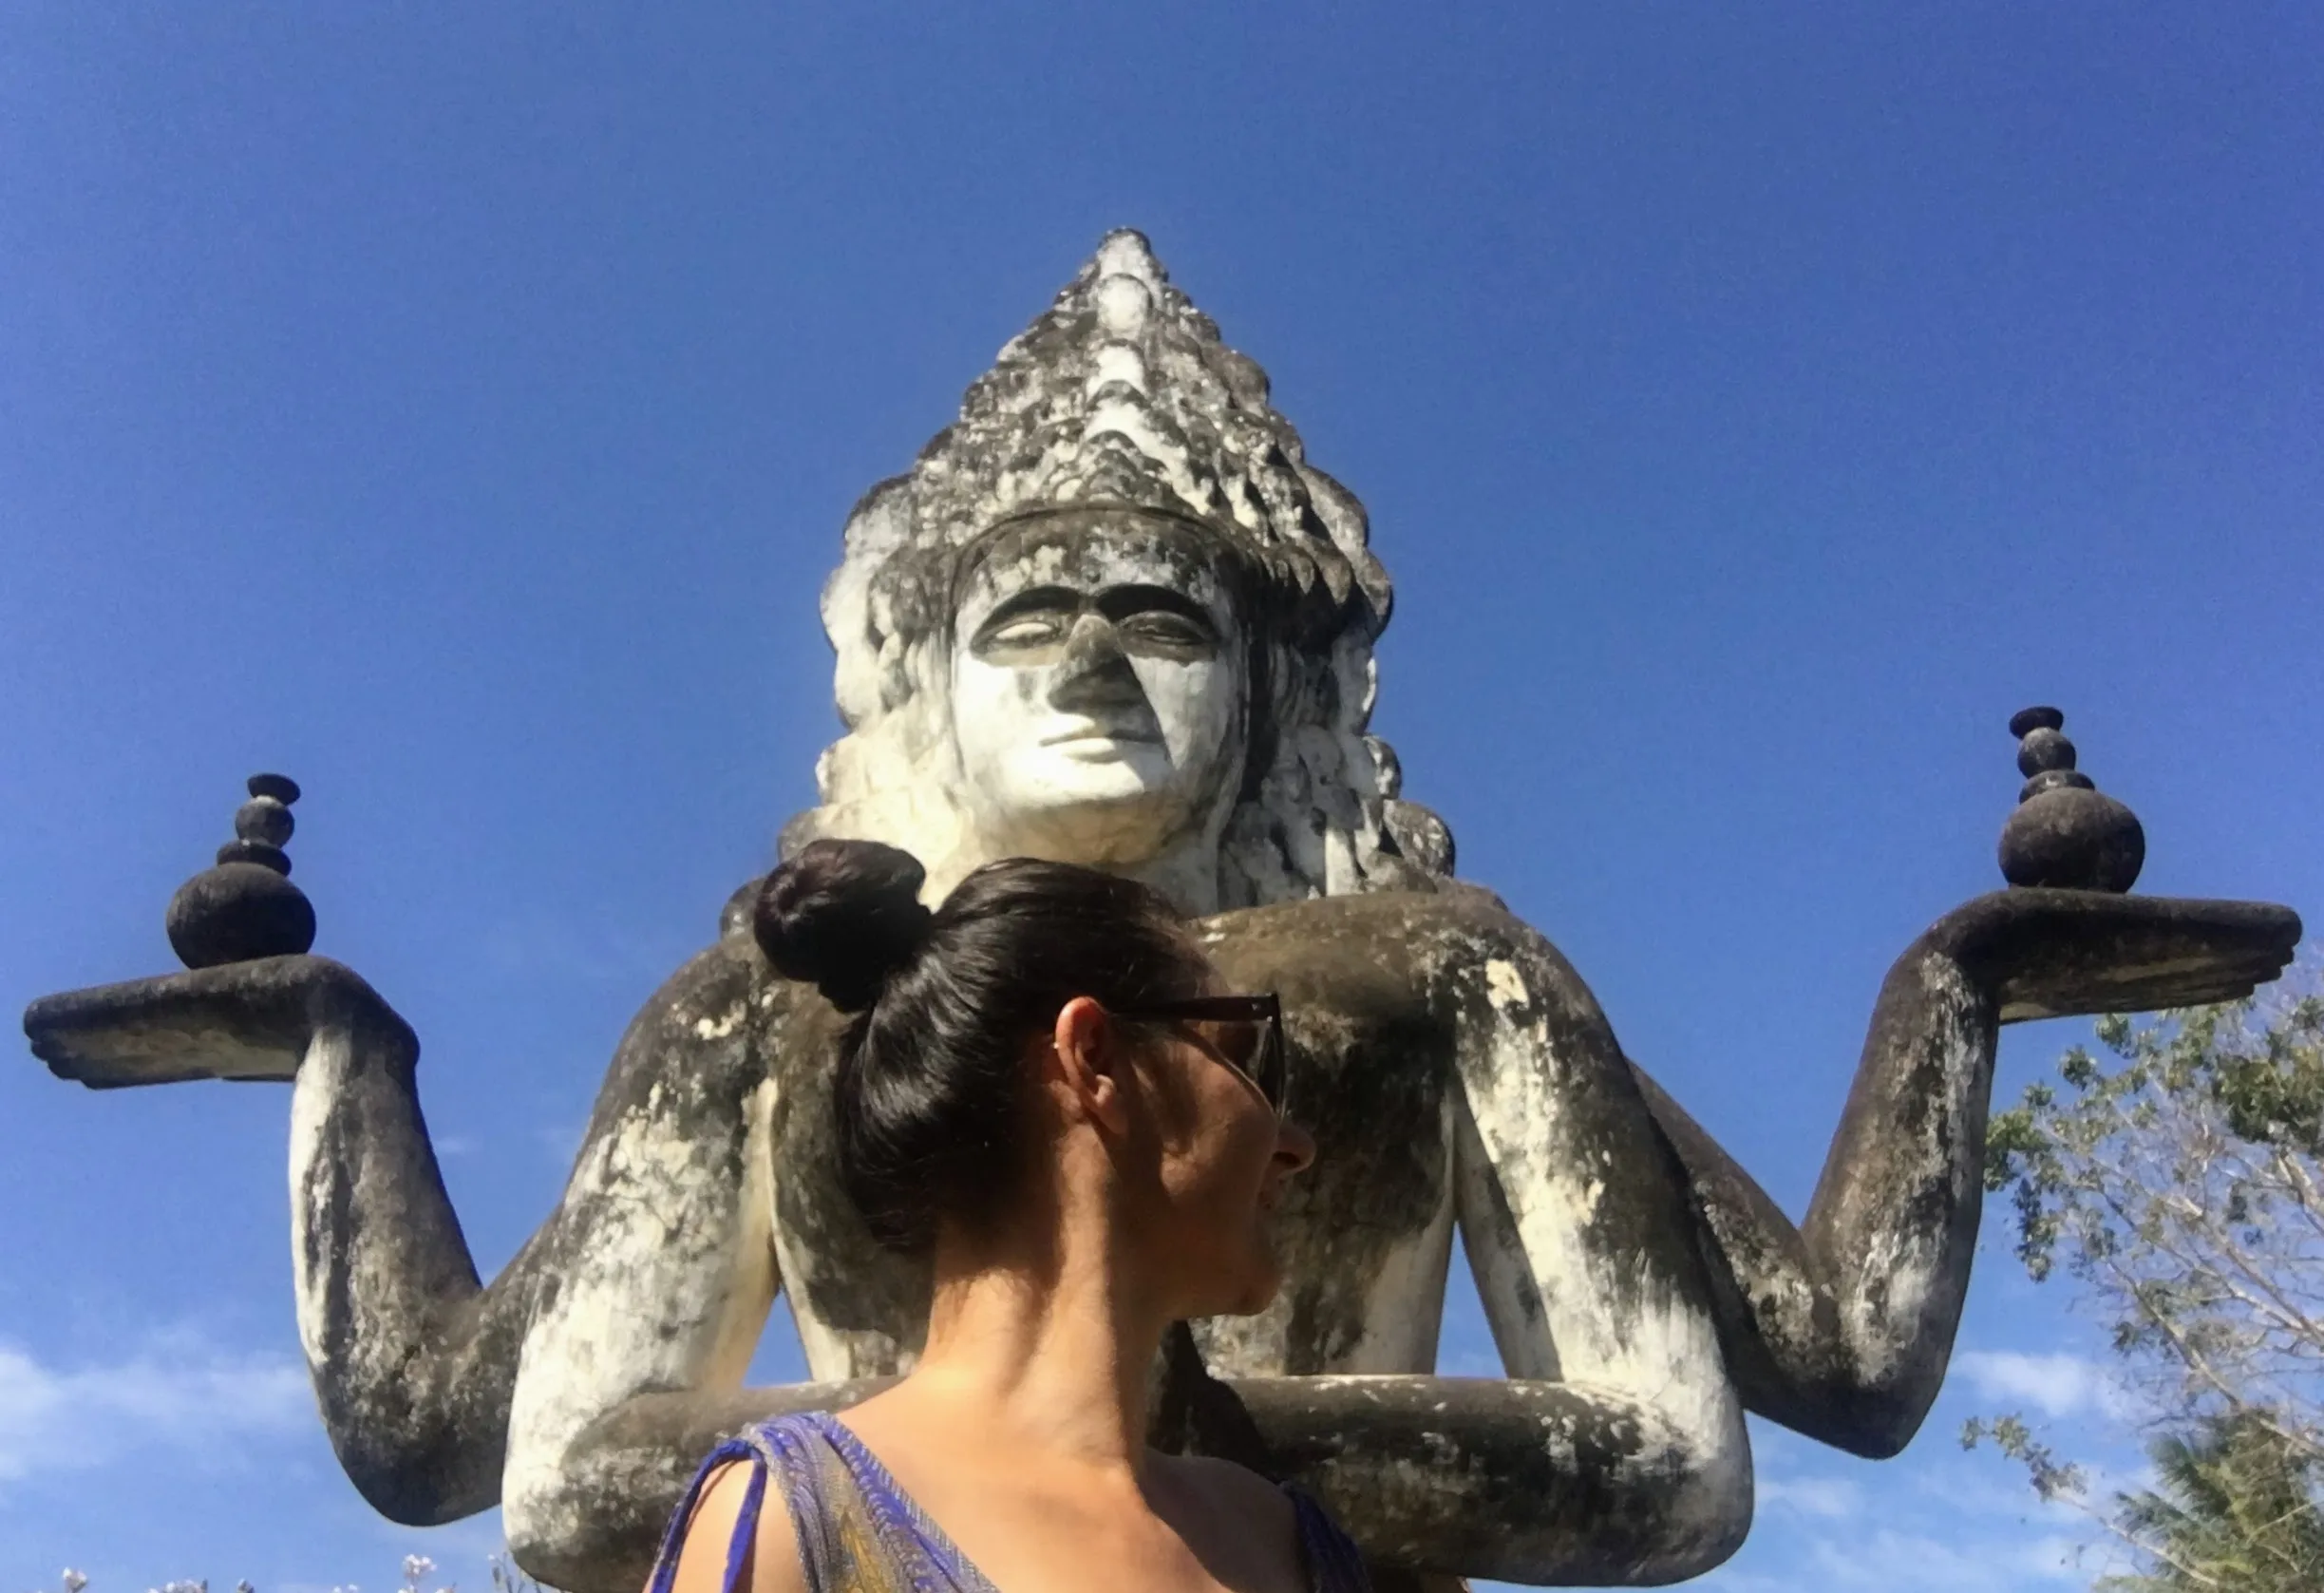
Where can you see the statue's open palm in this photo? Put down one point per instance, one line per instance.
(2064, 954)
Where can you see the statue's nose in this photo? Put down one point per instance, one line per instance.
(1095, 673)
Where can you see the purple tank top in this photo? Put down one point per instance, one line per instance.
(858, 1532)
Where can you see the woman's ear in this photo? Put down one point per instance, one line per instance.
(1092, 1063)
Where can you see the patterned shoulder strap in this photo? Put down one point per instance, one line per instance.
(1335, 1565)
(787, 1448)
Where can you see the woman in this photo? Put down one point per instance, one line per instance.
(1045, 1093)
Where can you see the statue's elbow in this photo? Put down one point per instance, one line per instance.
(580, 1544)
(1873, 1418)
(422, 1447)
(552, 1537)
(1877, 1422)
(1869, 1434)
(1682, 1512)
(1877, 1441)
(590, 1519)
(421, 1484)
(1708, 1516)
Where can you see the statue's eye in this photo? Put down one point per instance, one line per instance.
(1027, 630)
(1161, 628)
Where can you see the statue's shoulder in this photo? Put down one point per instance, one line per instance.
(1398, 934)
(718, 1027)
(723, 998)
(1325, 920)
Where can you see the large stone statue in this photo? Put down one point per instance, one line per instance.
(1113, 615)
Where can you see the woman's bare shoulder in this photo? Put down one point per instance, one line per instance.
(1234, 1516)
(702, 1553)
(1225, 1483)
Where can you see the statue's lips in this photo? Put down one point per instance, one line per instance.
(1097, 741)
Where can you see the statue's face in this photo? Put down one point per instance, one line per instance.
(1099, 689)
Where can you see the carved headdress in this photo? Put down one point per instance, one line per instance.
(1122, 394)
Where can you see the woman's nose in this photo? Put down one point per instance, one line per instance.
(1294, 1148)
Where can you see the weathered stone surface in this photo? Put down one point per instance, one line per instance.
(265, 819)
(1113, 615)
(2073, 838)
(2043, 749)
(237, 911)
(2065, 833)
(245, 907)
(1121, 408)
(245, 1021)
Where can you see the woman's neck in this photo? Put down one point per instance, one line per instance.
(1051, 1350)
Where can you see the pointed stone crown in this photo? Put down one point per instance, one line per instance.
(1122, 394)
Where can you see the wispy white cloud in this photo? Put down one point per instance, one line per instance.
(1970, 1558)
(1826, 1498)
(175, 1390)
(2056, 1385)
(1932, 1519)
(1895, 1562)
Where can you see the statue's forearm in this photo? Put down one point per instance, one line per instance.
(1893, 1218)
(655, 1270)
(1892, 1224)
(1548, 1482)
(413, 1360)
(1840, 1328)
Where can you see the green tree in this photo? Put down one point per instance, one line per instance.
(2235, 1506)
(2177, 1176)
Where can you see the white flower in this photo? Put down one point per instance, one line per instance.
(74, 1581)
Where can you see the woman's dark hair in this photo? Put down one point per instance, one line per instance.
(929, 1093)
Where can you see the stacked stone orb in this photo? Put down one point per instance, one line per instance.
(2065, 833)
(246, 907)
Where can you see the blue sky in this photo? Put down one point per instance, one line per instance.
(457, 408)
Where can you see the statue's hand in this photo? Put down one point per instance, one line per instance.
(2065, 953)
(243, 1021)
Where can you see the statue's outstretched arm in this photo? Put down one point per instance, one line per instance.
(412, 1358)
(653, 1265)
(1840, 1328)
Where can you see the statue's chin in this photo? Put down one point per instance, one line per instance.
(1089, 768)
(1108, 819)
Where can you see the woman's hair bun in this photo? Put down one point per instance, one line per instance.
(845, 914)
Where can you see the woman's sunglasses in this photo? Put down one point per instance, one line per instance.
(1243, 1032)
